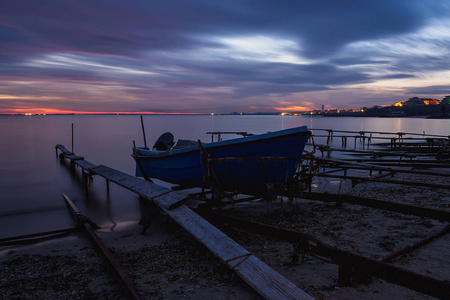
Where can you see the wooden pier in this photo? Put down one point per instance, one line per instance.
(267, 282)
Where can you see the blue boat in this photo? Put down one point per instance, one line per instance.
(251, 165)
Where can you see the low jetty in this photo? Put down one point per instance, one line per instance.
(267, 282)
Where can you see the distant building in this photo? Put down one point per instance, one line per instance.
(413, 106)
(421, 101)
(417, 101)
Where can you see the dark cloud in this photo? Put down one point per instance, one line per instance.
(118, 27)
(423, 64)
(10, 35)
(397, 76)
(352, 61)
(274, 73)
(430, 90)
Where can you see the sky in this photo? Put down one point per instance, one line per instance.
(209, 56)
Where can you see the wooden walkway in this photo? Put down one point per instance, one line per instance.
(267, 282)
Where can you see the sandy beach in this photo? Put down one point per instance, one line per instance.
(167, 263)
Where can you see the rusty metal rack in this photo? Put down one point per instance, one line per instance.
(342, 169)
(358, 165)
(352, 266)
(388, 143)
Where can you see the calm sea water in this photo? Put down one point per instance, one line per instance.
(32, 178)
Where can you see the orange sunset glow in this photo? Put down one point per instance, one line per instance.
(294, 108)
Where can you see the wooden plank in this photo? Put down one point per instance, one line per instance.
(214, 239)
(85, 164)
(129, 182)
(172, 199)
(167, 198)
(74, 157)
(63, 149)
(275, 286)
(266, 281)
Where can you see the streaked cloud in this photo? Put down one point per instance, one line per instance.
(203, 56)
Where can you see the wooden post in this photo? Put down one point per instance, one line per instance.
(85, 176)
(143, 132)
(72, 137)
(107, 187)
(138, 162)
(343, 138)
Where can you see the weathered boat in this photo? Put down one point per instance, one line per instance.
(254, 164)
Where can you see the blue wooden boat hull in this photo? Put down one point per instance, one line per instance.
(247, 165)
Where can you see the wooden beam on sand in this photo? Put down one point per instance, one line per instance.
(425, 212)
(264, 280)
(415, 246)
(84, 223)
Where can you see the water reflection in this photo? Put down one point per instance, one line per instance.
(32, 180)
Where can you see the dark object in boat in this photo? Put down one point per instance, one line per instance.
(164, 142)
